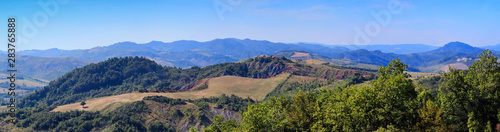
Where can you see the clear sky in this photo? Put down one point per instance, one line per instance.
(83, 24)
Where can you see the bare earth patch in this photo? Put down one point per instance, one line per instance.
(300, 54)
(460, 66)
(314, 62)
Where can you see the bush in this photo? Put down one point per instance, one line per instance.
(163, 99)
(143, 90)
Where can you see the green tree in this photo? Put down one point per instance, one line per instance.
(430, 118)
(158, 126)
(267, 116)
(471, 99)
(220, 124)
(301, 113)
(348, 109)
(396, 96)
(83, 103)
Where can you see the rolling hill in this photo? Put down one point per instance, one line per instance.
(134, 92)
(124, 75)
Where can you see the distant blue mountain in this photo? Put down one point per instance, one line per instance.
(187, 53)
(459, 47)
(397, 48)
(54, 52)
(448, 54)
(493, 47)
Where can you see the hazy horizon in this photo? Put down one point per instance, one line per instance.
(349, 46)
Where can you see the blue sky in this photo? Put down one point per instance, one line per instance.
(83, 24)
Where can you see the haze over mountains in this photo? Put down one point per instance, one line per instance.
(186, 53)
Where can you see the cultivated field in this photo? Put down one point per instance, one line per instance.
(314, 62)
(239, 86)
(300, 54)
(460, 66)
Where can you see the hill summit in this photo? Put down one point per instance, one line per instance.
(458, 46)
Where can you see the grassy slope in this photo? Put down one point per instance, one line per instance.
(239, 86)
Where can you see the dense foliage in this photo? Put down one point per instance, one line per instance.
(289, 88)
(233, 103)
(471, 99)
(163, 99)
(467, 101)
(125, 118)
(431, 83)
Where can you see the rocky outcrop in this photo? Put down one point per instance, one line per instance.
(267, 70)
(227, 114)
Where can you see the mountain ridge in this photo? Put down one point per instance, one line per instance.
(458, 46)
